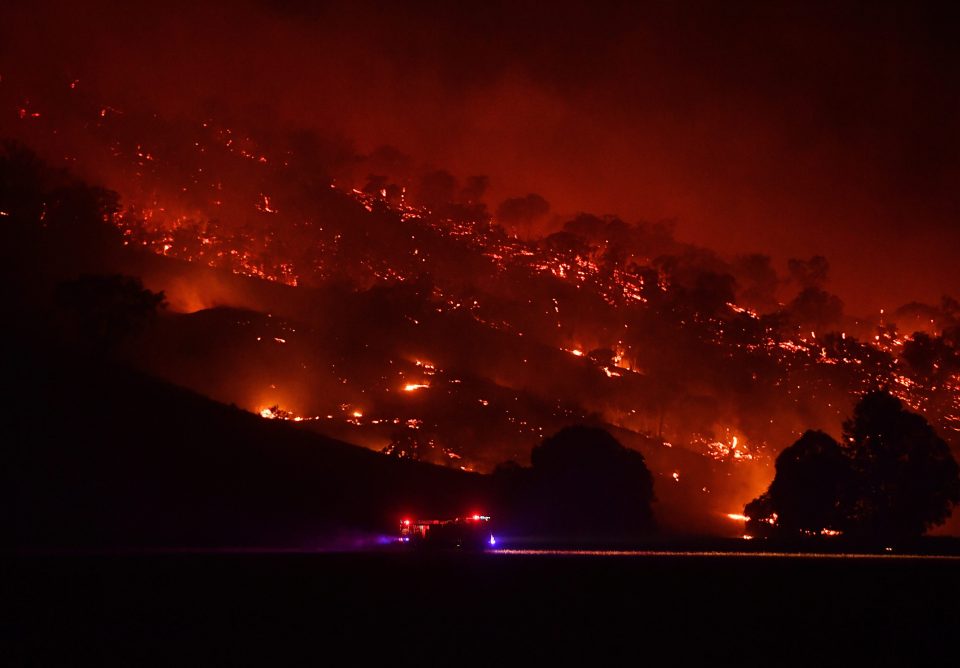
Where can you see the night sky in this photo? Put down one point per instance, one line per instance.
(790, 129)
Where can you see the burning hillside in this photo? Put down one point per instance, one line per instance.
(401, 315)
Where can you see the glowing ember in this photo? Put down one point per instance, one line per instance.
(185, 212)
(277, 413)
(724, 450)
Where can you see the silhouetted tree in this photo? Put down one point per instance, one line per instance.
(906, 477)
(930, 356)
(313, 158)
(54, 219)
(951, 337)
(815, 308)
(522, 212)
(811, 484)
(474, 189)
(653, 239)
(949, 312)
(82, 214)
(436, 189)
(761, 517)
(586, 225)
(98, 313)
(387, 159)
(891, 478)
(758, 281)
(376, 184)
(404, 444)
(24, 178)
(711, 292)
(614, 257)
(810, 273)
(584, 484)
(567, 245)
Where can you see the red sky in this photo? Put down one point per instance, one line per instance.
(786, 128)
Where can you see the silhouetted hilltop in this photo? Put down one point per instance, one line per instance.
(103, 455)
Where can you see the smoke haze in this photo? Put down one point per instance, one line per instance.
(792, 130)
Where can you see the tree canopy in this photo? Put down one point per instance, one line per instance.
(583, 484)
(98, 313)
(906, 478)
(890, 478)
(812, 481)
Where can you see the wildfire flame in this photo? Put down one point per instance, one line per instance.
(190, 231)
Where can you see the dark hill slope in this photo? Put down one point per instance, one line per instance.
(100, 455)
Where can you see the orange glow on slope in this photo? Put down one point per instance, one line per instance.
(277, 413)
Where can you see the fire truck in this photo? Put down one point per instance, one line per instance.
(472, 532)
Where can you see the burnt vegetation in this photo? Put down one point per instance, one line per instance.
(373, 300)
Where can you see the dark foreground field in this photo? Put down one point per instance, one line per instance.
(269, 609)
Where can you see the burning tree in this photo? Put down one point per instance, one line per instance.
(404, 444)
